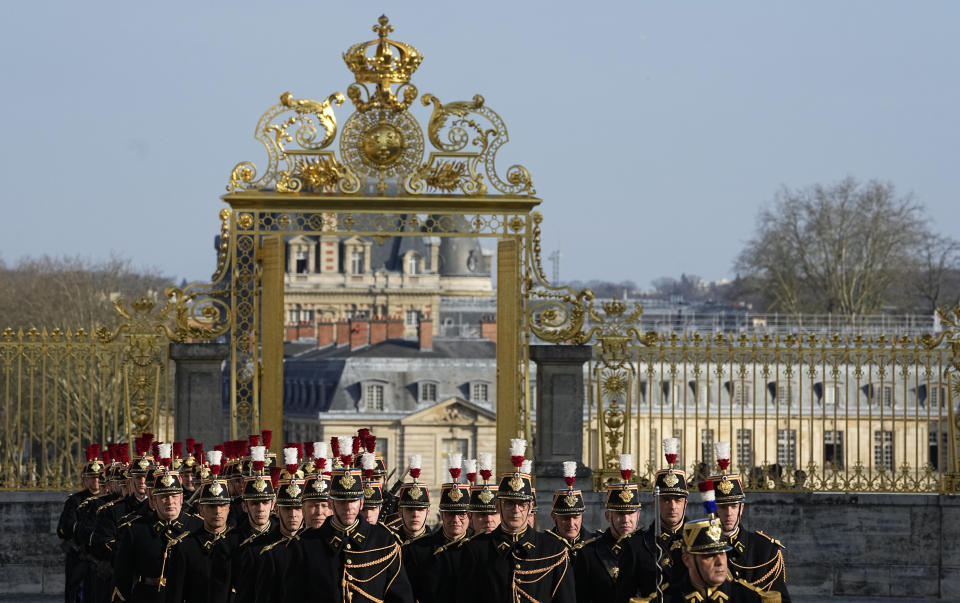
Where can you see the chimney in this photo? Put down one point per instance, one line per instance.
(488, 328)
(425, 332)
(378, 330)
(359, 333)
(291, 333)
(324, 334)
(395, 328)
(343, 333)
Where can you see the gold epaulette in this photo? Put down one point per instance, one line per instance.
(766, 595)
(583, 543)
(251, 538)
(177, 539)
(459, 542)
(773, 540)
(126, 523)
(559, 537)
(652, 596)
(273, 544)
(108, 505)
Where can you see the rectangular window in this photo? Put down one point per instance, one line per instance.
(938, 450)
(373, 395)
(784, 393)
(936, 396)
(306, 316)
(744, 449)
(454, 446)
(883, 449)
(742, 393)
(706, 447)
(413, 318)
(356, 262)
(301, 262)
(787, 447)
(478, 393)
(293, 316)
(832, 450)
(428, 392)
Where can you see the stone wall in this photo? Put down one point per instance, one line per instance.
(897, 545)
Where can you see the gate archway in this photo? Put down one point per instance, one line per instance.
(376, 176)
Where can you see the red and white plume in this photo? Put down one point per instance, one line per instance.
(485, 465)
(290, 459)
(454, 465)
(164, 452)
(214, 457)
(570, 473)
(470, 468)
(518, 448)
(345, 444)
(626, 467)
(722, 450)
(671, 450)
(258, 454)
(319, 450)
(368, 461)
(414, 465)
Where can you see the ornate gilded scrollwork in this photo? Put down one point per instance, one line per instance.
(951, 374)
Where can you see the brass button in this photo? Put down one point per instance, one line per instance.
(348, 547)
(349, 561)
(518, 566)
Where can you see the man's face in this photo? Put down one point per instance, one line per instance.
(413, 519)
(672, 509)
(258, 511)
(313, 513)
(568, 526)
(291, 518)
(622, 522)
(729, 516)
(345, 512)
(138, 486)
(454, 523)
(214, 516)
(514, 513)
(706, 570)
(92, 483)
(187, 478)
(168, 505)
(371, 515)
(484, 523)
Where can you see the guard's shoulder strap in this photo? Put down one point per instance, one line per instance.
(765, 595)
(773, 540)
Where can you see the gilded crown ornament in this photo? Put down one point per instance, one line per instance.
(391, 62)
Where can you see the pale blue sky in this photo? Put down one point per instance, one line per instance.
(653, 131)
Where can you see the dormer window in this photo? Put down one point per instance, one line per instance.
(356, 261)
(373, 397)
(480, 392)
(428, 391)
(413, 263)
(301, 259)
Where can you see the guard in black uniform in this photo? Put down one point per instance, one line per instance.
(597, 566)
(316, 500)
(347, 559)
(567, 513)
(274, 556)
(649, 553)
(514, 562)
(103, 540)
(143, 546)
(76, 567)
(754, 557)
(190, 574)
(420, 556)
(372, 502)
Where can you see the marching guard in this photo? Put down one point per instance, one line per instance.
(76, 566)
(567, 513)
(513, 563)
(656, 553)
(597, 566)
(754, 557)
(484, 515)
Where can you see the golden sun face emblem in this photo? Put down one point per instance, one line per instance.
(725, 486)
(382, 144)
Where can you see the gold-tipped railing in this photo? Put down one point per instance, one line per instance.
(819, 413)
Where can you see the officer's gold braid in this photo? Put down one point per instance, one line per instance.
(543, 571)
(772, 574)
(348, 586)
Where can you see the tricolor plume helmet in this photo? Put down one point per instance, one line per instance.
(671, 481)
(705, 536)
(569, 501)
(414, 495)
(94, 465)
(517, 486)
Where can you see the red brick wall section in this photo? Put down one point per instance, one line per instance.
(378, 331)
(324, 334)
(359, 333)
(395, 328)
(343, 333)
(488, 330)
(426, 334)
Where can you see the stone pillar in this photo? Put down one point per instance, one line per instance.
(198, 389)
(560, 404)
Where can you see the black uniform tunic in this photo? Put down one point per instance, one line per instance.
(759, 560)
(233, 560)
(498, 565)
(730, 591)
(75, 566)
(190, 566)
(143, 550)
(423, 564)
(362, 563)
(596, 568)
(573, 546)
(272, 568)
(637, 569)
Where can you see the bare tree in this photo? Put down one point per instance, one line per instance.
(837, 249)
(70, 292)
(935, 273)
